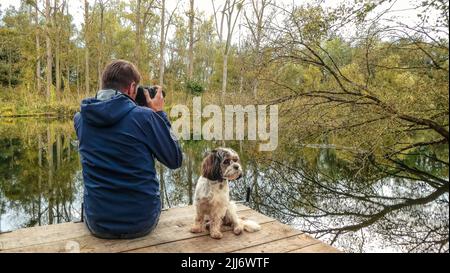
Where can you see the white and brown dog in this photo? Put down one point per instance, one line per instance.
(212, 198)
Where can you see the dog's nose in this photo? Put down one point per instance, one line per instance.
(236, 167)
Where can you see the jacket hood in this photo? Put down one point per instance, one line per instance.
(104, 113)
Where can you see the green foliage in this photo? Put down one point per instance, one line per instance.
(194, 87)
(10, 72)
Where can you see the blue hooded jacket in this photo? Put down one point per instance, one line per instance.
(118, 144)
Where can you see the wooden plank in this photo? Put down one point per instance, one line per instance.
(42, 234)
(283, 245)
(70, 231)
(173, 229)
(317, 248)
(171, 235)
(229, 243)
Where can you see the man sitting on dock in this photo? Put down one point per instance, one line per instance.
(118, 144)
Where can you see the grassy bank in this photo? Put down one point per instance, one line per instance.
(20, 103)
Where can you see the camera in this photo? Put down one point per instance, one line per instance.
(140, 96)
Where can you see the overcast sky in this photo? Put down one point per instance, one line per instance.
(403, 9)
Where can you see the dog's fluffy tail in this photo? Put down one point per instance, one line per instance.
(251, 226)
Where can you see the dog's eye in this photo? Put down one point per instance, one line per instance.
(235, 160)
(226, 161)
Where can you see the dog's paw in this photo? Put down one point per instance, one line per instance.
(216, 235)
(196, 229)
(237, 230)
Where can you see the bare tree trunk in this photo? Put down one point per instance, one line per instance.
(162, 43)
(100, 47)
(259, 30)
(67, 77)
(68, 48)
(230, 8)
(137, 42)
(259, 7)
(49, 49)
(78, 73)
(57, 51)
(38, 50)
(219, 29)
(86, 45)
(224, 74)
(191, 41)
(258, 62)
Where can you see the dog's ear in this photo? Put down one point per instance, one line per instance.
(211, 166)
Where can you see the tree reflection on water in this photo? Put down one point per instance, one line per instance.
(356, 205)
(39, 182)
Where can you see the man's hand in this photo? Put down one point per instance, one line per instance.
(157, 103)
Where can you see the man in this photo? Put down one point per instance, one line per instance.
(119, 142)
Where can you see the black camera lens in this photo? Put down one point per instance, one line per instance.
(140, 96)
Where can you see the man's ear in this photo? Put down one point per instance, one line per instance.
(132, 91)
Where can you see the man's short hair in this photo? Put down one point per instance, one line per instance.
(119, 74)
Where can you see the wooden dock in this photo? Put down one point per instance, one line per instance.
(171, 235)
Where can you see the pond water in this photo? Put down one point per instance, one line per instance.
(312, 188)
